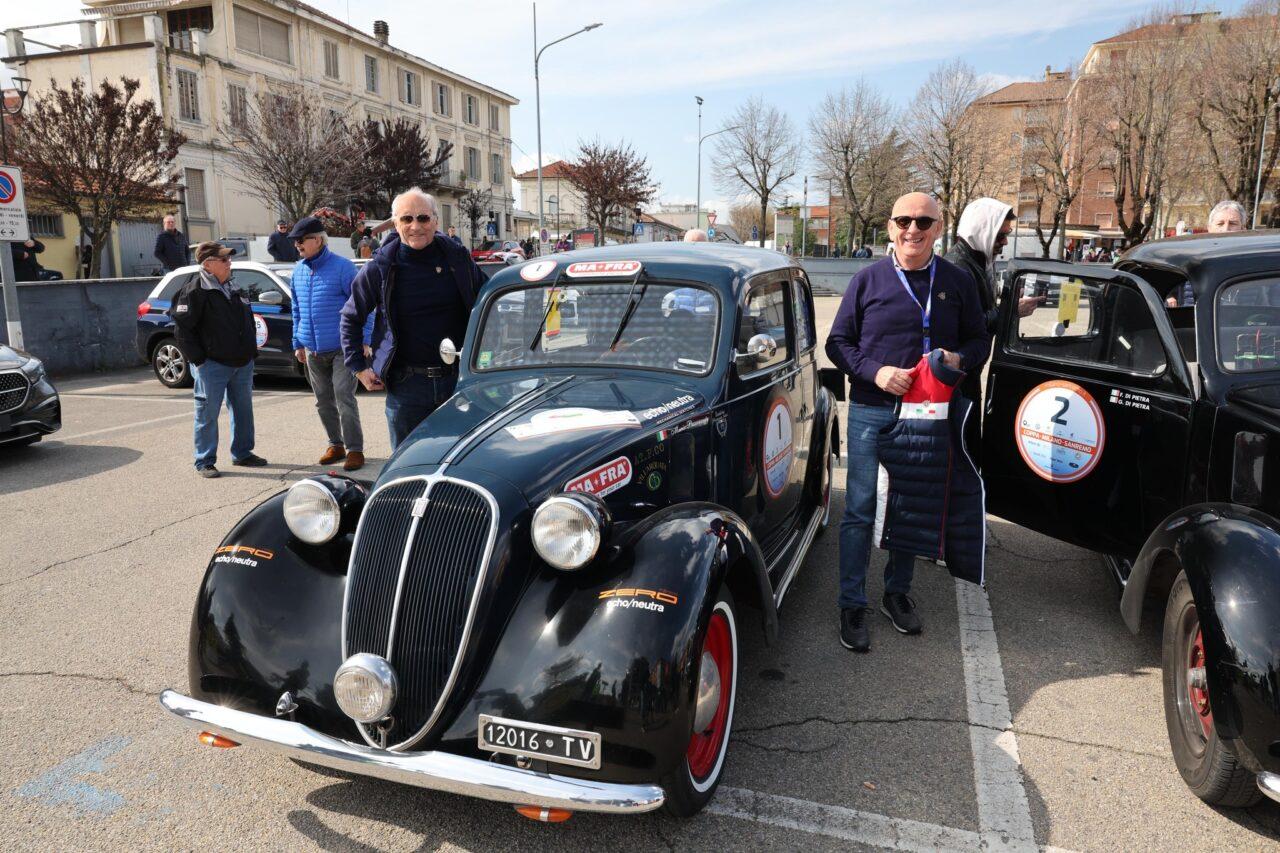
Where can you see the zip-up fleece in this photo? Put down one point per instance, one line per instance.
(935, 506)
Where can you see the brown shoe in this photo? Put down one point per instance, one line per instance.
(355, 459)
(333, 454)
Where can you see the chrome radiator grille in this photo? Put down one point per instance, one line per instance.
(13, 391)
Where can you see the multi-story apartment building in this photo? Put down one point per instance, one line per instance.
(203, 61)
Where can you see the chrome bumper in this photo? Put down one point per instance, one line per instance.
(438, 771)
(1269, 784)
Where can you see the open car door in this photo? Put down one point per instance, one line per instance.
(1087, 408)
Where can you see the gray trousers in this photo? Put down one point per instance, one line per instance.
(335, 389)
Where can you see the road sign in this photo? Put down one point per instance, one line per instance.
(711, 218)
(711, 233)
(755, 232)
(491, 229)
(637, 229)
(13, 206)
(545, 235)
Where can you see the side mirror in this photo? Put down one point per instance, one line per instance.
(760, 348)
(448, 352)
(271, 297)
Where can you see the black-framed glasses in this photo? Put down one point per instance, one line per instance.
(304, 238)
(421, 218)
(924, 223)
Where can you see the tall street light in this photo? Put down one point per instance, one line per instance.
(701, 138)
(8, 281)
(537, 89)
(1262, 147)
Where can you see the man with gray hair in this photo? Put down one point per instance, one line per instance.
(1226, 217)
(696, 235)
(423, 286)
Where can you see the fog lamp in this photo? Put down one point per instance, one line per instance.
(365, 687)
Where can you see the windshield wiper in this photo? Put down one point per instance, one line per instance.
(551, 303)
(632, 304)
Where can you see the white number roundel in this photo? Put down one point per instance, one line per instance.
(1060, 431)
(260, 330)
(777, 448)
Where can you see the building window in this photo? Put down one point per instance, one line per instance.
(196, 204)
(238, 106)
(410, 88)
(182, 22)
(262, 35)
(1106, 190)
(331, 61)
(188, 96)
(45, 224)
(494, 122)
(444, 99)
(495, 168)
(470, 109)
(1102, 220)
(446, 215)
(371, 74)
(473, 164)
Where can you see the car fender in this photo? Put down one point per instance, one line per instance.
(826, 427)
(1231, 556)
(614, 648)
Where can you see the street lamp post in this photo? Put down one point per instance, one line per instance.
(701, 138)
(537, 90)
(1262, 149)
(8, 281)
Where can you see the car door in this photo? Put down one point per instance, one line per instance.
(272, 323)
(807, 363)
(1086, 420)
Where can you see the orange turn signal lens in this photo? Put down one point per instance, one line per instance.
(545, 815)
(210, 739)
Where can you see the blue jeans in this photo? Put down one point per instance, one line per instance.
(214, 381)
(410, 398)
(858, 524)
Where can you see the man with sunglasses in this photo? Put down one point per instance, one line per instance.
(423, 286)
(893, 312)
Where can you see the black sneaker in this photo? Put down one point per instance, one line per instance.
(901, 610)
(209, 473)
(250, 461)
(854, 633)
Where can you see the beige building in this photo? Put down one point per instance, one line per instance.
(202, 62)
(563, 208)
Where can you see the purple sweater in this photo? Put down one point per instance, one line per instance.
(879, 324)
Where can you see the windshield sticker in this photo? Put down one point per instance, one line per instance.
(602, 269)
(1129, 400)
(568, 420)
(536, 271)
(260, 330)
(655, 600)
(1060, 431)
(1069, 302)
(778, 451)
(485, 359)
(604, 480)
(671, 407)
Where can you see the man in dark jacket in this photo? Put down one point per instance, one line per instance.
(280, 244)
(423, 286)
(171, 246)
(894, 311)
(215, 330)
(25, 265)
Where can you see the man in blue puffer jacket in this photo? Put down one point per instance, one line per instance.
(321, 286)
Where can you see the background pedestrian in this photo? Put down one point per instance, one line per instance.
(171, 245)
(280, 245)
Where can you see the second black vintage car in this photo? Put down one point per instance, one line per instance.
(540, 600)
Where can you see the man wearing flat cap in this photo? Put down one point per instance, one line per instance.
(215, 331)
(321, 286)
(280, 244)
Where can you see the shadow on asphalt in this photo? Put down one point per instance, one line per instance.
(35, 466)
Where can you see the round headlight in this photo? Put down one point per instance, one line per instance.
(312, 512)
(566, 533)
(365, 687)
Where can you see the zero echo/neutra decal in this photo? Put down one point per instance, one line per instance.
(242, 555)
(638, 599)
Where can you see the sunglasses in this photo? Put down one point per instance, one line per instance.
(421, 218)
(924, 223)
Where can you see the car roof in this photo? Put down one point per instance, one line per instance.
(1208, 256)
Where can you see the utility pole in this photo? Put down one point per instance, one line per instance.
(697, 213)
(1262, 149)
(804, 216)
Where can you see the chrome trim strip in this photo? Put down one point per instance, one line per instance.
(1269, 784)
(510, 408)
(810, 532)
(434, 770)
(404, 570)
(797, 369)
(26, 394)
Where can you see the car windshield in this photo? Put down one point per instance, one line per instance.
(1248, 325)
(673, 327)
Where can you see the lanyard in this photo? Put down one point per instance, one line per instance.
(927, 308)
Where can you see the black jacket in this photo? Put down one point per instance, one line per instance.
(209, 325)
(171, 250)
(975, 263)
(280, 247)
(25, 265)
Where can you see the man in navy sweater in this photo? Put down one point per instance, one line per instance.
(894, 311)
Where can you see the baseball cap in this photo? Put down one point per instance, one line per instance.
(212, 249)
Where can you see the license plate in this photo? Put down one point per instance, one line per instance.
(550, 743)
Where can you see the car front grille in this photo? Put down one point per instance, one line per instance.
(427, 606)
(13, 391)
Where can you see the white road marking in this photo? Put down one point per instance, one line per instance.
(1004, 817)
(133, 397)
(136, 424)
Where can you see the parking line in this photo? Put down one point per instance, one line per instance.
(187, 415)
(1004, 816)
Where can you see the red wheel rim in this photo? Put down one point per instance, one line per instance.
(1199, 695)
(704, 747)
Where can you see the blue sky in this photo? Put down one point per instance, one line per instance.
(635, 78)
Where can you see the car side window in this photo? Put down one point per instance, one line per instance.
(171, 288)
(802, 309)
(765, 314)
(1089, 321)
(255, 283)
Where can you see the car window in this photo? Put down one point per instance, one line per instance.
(765, 314)
(1247, 320)
(174, 284)
(255, 283)
(1089, 321)
(802, 310)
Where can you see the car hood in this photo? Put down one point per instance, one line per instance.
(11, 358)
(538, 432)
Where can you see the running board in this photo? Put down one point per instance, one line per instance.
(810, 531)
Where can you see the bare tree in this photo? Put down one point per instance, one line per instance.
(101, 156)
(854, 139)
(397, 156)
(473, 204)
(758, 155)
(612, 179)
(1235, 96)
(743, 217)
(950, 141)
(295, 154)
(1057, 161)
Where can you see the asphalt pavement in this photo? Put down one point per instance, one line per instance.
(1024, 716)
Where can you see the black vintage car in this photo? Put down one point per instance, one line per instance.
(29, 405)
(1151, 434)
(539, 601)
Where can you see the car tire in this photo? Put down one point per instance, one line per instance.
(1207, 763)
(170, 364)
(694, 781)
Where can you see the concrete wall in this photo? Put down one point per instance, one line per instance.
(81, 326)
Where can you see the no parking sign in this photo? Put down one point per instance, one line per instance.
(13, 206)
